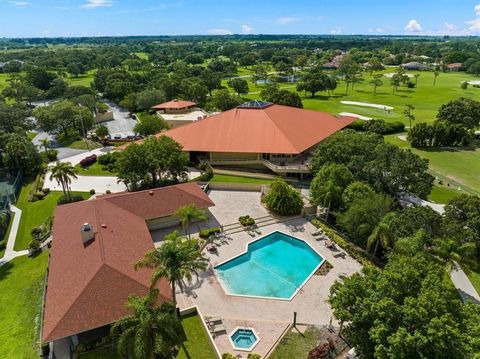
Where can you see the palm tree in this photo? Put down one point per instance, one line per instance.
(149, 330)
(417, 75)
(408, 113)
(175, 259)
(188, 214)
(330, 194)
(63, 172)
(45, 142)
(381, 235)
(376, 82)
(452, 252)
(435, 75)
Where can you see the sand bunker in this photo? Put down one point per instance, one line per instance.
(356, 115)
(390, 75)
(366, 104)
(474, 82)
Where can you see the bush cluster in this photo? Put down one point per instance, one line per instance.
(378, 126)
(207, 232)
(73, 198)
(246, 220)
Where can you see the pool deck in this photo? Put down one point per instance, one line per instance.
(268, 316)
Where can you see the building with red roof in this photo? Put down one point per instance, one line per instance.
(178, 112)
(94, 248)
(280, 138)
(456, 66)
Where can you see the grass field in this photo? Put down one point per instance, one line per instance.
(93, 170)
(443, 194)
(460, 164)
(474, 277)
(196, 344)
(82, 80)
(238, 179)
(21, 290)
(35, 213)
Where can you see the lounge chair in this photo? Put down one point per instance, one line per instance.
(340, 255)
(218, 329)
(318, 232)
(214, 319)
(211, 248)
(257, 230)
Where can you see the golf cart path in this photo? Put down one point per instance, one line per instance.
(10, 252)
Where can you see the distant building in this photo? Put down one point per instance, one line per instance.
(414, 65)
(335, 63)
(178, 112)
(455, 67)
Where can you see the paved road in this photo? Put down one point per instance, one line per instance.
(63, 152)
(464, 286)
(10, 252)
(122, 123)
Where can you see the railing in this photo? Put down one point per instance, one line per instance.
(297, 168)
(285, 168)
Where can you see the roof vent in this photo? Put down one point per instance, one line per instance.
(86, 231)
(150, 193)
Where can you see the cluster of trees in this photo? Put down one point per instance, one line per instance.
(272, 93)
(155, 162)
(454, 125)
(314, 80)
(283, 199)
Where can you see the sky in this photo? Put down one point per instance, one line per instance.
(69, 18)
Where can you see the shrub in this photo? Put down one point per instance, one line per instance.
(322, 351)
(39, 195)
(108, 191)
(205, 176)
(73, 198)
(108, 158)
(358, 125)
(246, 221)
(283, 199)
(34, 245)
(206, 233)
(228, 356)
(89, 160)
(254, 356)
(52, 155)
(92, 191)
(46, 190)
(378, 126)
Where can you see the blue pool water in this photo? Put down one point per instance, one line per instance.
(243, 338)
(274, 266)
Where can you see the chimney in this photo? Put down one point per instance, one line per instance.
(86, 231)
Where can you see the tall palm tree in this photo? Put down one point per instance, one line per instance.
(188, 214)
(63, 172)
(149, 330)
(331, 194)
(176, 259)
(452, 252)
(45, 142)
(381, 235)
(435, 75)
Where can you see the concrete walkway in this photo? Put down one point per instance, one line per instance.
(464, 286)
(76, 158)
(10, 252)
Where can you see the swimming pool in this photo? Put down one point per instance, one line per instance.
(274, 266)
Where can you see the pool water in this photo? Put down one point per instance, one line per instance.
(243, 338)
(274, 266)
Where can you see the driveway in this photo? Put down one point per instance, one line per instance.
(63, 152)
(85, 183)
(122, 122)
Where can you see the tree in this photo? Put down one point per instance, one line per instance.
(416, 76)
(314, 81)
(283, 198)
(63, 172)
(409, 114)
(349, 69)
(381, 235)
(146, 99)
(272, 93)
(328, 185)
(463, 111)
(223, 100)
(156, 162)
(188, 214)
(363, 215)
(73, 69)
(149, 329)
(355, 191)
(406, 310)
(21, 154)
(436, 73)
(412, 219)
(102, 132)
(374, 64)
(212, 80)
(175, 260)
(45, 142)
(259, 73)
(376, 82)
(149, 125)
(239, 85)
(464, 85)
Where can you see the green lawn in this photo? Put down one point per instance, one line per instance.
(21, 291)
(94, 170)
(142, 55)
(443, 194)
(35, 213)
(238, 179)
(460, 164)
(474, 277)
(296, 345)
(82, 80)
(31, 135)
(3, 241)
(103, 353)
(197, 345)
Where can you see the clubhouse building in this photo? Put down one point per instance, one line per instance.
(259, 135)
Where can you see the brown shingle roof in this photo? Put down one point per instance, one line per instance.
(89, 284)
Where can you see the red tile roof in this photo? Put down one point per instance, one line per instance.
(455, 65)
(272, 129)
(174, 104)
(89, 284)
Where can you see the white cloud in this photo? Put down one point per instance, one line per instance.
(288, 20)
(449, 27)
(20, 3)
(91, 4)
(219, 32)
(413, 26)
(336, 31)
(474, 26)
(377, 30)
(477, 9)
(246, 29)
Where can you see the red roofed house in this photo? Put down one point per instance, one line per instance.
(456, 66)
(94, 248)
(278, 138)
(178, 112)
